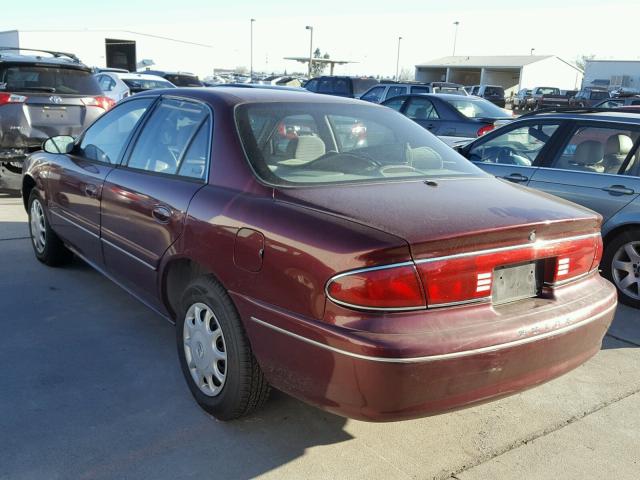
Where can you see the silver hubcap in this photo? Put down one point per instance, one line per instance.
(205, 349)
(626, 269)
(38, 226)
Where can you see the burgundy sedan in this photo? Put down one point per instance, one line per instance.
(327, 247)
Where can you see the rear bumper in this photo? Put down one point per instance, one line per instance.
(384, 377)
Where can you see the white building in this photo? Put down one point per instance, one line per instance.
(509, 71)
(117, 48)
(613, 74)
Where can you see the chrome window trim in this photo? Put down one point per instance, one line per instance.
(443, 356)
(537, 244)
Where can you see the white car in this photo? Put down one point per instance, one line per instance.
(119, 85)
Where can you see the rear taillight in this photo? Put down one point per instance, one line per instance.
(460, 278)
(385, 288)
(11, 98)
(485, 129)
(104, 103)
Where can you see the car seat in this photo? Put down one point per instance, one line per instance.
(616, 151)
(304, 149)
(588, 157)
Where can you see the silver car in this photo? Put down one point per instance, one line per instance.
(587, 158)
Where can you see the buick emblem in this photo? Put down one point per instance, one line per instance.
(55, 99)
(532, 236)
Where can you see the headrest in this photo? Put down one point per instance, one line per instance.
(619, 145)
(589, 152)
(309, 147)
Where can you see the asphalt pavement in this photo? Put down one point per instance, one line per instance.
(90, 388)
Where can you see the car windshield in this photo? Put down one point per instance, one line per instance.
(48, 79)
(184, 80)
(477, 108)
(494, 91)
(139, 84)
(328, 143)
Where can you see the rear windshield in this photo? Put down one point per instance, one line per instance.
(494, 91)
(48, 79)
(477, 108)
(139, 85)
(547, 91)
(361, 85)
(184, 80)
(451, 90)
(596, 95)
(329, 143)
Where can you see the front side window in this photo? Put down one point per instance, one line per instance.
(396, 91)
(374, 95)
(421, 109)
(343, 144)
(106, 139)
(519, 146)
(597, 150)
(419, 89)
(312, 85)
(166, 136)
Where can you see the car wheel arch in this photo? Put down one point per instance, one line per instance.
(617, 230)
(175, 276)
(28, 184)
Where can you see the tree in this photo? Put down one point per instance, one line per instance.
(406, 74)
(318, 68)
(581, 61)
(241, 70)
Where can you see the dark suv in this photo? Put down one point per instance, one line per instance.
(352, 87)
(42, 94)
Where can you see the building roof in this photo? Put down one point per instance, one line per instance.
(496, 61)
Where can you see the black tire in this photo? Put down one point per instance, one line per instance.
(612, 246)
(53, 253)
(245, 389)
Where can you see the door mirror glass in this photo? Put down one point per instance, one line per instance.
(59, 144)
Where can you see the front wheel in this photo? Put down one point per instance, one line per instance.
(621, 265)
(47, 246)
(215, 355)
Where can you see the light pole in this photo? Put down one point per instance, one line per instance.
(532, 50)
(398, 59)
(310, 28)
(251, 61)
(455, 37)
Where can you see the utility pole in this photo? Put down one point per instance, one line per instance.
(310, 28)
(398, 60)
(455, 37)
(251, 61)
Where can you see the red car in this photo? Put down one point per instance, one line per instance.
(349, 258)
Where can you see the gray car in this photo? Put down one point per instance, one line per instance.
(588, 158)
(42, 94)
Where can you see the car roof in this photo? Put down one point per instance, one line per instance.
(239, 95)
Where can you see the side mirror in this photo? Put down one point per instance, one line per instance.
(59, 144)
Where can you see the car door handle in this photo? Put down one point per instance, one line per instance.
(161, 214)
(619, 190)
(91, 190)
(516, 177)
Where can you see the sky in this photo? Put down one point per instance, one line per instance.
(362, 31)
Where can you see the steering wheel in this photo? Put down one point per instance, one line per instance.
(330, 160)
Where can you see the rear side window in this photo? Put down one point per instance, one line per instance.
(597, 150)
(395, 103)
(312, 85)
(47, 79)
(494, 91)
(162, 145)
(105, 140)
(419, 89)
(341, 86)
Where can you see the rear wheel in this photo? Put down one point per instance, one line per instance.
(215, 355)
(621, 265)
(47, 246)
